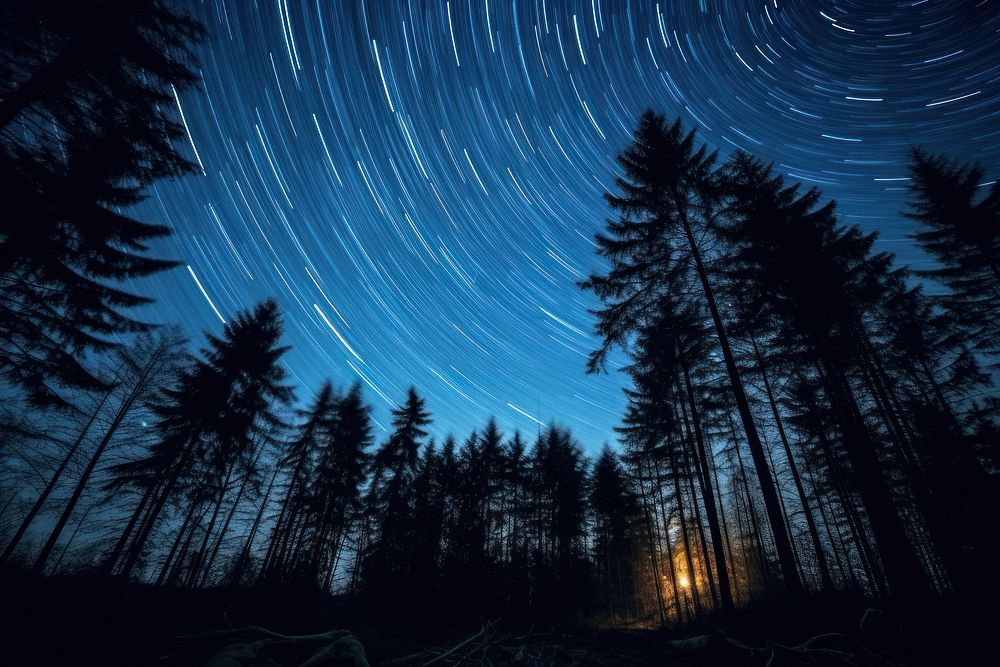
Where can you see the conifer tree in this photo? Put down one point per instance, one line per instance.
(960, 228)
(815, 278)
(207, 420)
(336, 484)
(389, 498)
(616, 518)
(86, 124)
(668, 197)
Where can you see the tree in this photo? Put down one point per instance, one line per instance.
(389, 497)
(142, 368)
(960, 228)
(668, 189)
(815, 278)
(86, 124)
(336, 485)
(299, 460)
(561, 585)
(208, 420)
(616, 532)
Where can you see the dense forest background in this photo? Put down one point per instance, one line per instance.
(804, 415)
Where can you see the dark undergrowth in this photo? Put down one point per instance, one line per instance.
(89, 621)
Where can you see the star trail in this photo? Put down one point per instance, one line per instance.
(418, 184)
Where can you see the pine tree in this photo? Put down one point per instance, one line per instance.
(142, 368)
(336, 485)
(299, 461)
(815, 278)
(616, 532)
(389, 499)
(960, 228)
(85, 126)
(668, 198)
(208, 419)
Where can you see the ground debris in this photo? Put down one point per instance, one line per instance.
(490, 647)
(254, 646)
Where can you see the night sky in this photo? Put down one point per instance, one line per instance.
(418, 184)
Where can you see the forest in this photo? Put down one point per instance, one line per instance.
(806, 418)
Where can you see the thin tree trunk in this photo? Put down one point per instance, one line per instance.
(708, 494)
(903, 569)
(229, 518)
(658, 480)
(782, 541)
(184, 530)
(725, 534)
(159, 502)
(51, 485)
(200, 554)
(72, 536)
(123, 410)
(248, 544)
(755, 531)
(108, 566)
(690, 475)
(648, 520)
(824, 571)
(689, 562)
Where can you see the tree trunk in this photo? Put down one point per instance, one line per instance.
(51, 485)
(160, 501)
(782, 543)
(186, 529)
(653, 560)
(229, 518)
(708, 494)
(108, 566)
(824, 570)
(200, 554)
(903, 569)
(123, 410)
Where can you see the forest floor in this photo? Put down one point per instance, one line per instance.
(88, 621)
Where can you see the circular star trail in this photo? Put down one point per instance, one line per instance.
(418, 184)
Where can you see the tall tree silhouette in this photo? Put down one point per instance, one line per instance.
(960, 228)
(394, 467)
(616, 536)
(299, 461)
(142, 367)
(208, 420)
(668, 197)
(814, 277)
(336, 485)
(86, 123)
(559, 489)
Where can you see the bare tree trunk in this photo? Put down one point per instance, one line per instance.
(708, 494)
(51, 485)
(108, 566)
(653, 560)
(184, 530)
(159, 502)
(123, 410)
(200, 554)
(782, 542)
(824, 570)
(903, 569)
(248, 544)
(690, 475)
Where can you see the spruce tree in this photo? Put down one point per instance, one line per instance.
(667, 199)
(228, 398)
(86, 124)
(816, 278)
(959, 226)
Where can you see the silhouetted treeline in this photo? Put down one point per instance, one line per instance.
(802, 416)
